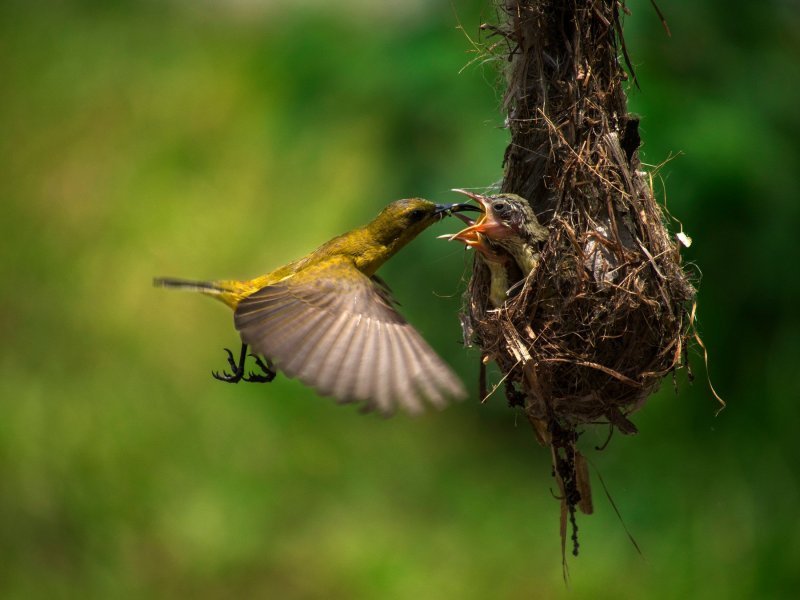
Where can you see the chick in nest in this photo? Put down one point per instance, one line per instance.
(507, 236)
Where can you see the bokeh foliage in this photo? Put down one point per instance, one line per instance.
(220, 139)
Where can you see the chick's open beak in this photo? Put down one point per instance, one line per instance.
(476, 232)
(489, 225)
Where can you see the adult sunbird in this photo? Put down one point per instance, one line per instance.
(507, 236)
(329, 321)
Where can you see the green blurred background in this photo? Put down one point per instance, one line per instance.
(220, 138)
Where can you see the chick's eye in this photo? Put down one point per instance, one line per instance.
(416, 215)
(499, 207)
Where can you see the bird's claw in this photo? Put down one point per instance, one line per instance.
(258, 378)
(268, 374)
(231, 361)
(238, 370)
(226, 377)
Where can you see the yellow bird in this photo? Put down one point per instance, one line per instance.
(329, 321)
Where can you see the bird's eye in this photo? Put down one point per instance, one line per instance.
(416, 215)
(499, 207)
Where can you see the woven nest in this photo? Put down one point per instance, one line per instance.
(590, 333)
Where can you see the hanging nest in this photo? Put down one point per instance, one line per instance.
(590, 333)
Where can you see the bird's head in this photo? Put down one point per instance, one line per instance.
(395, 226)
(402, 220)
(507, 220)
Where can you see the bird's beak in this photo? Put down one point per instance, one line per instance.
(443, 210)
(473, 195)
(476, 232)
(488, 225)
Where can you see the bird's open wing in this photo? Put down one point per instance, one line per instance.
(336, 331)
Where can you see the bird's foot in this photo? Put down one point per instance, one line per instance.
(237, 368)
(268, 371)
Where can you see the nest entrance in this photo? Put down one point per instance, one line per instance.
(592, 331)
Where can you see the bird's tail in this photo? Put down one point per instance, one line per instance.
(229, 292)
(217, 289)
(206, 287)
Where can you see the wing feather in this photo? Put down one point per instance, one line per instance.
(352, 356)
(364, 363)
(302, 343)
(424, 381)
(415, 369)
(403, 378)
(338, 331)
(382, 374)
(323, 360)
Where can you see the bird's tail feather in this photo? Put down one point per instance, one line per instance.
(206, 287)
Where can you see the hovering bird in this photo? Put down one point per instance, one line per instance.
(507, 236)
(330, 321)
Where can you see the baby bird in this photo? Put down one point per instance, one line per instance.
(506, 235)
